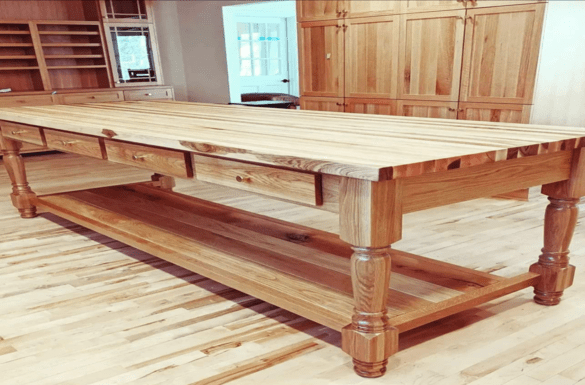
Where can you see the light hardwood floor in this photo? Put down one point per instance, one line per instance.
(78, 308)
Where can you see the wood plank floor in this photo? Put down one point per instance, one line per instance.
(78, 308)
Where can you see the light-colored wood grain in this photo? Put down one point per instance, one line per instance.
(16, 101)
(23, 133)
(322, 104)
(284, 184)
(150, 94)
(371, 57)
(74, 143)
(321, 58)
(168, 162)
(371, 147)
(496, 3)
(501, 52)
(149, 323)
(431, 49)
(427, 109)
(358, 8)
(415, 6)
(90, 97)
(371, 106)
(319, 10)
(488, 112)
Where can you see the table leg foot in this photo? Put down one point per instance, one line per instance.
(22, 196)
(553, 264)
(370, 369)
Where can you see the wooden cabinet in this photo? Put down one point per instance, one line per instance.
(371, 57)
(501, 54)
(150, 94)
(412, 6)
(472, 4)
(21, 101)
(486, 112)
(427, 109)
(322, 63)
(310, 10)
(431, 49)
(90, 97)
(360, 8)
(371, 106)
(322, 104)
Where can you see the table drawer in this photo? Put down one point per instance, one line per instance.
(23, 133)
(166, 162)
(284, 184)
(75, 143)
(149, 94)
(91, 97)
(19, 101)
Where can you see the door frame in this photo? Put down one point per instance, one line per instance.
(285, 9)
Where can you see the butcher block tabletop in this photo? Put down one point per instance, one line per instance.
(371, 147)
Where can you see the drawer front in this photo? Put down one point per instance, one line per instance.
(284, 184)
(89, 97)
(19, 101)
(166, 162)
(75, 143)
(149, 94)
(23, 133)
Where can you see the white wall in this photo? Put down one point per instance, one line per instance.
(191, 32)
(559, 97)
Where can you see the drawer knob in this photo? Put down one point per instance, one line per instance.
(138, 157)
(240, 179)
(149, 94)
(68, 142)
(18, 132)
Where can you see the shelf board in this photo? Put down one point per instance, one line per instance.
(303, 270)
(14, 32)
(88, 33)
(18, 68)
(71, 44)
(16, 44)
(73, 56)
(76, 67)
(17, 57)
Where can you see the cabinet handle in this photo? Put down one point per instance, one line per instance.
(240, 179)
(345, 12)
(18, 132)
(344, 27)
(92, 97)
(452, 109)
(149, 94)
(469, 19)
(138, 157)
(461, 110)
(340, 104)
(68, 142)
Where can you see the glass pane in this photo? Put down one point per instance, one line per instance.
(273, 42)
(260, 67)
(244, 49)
(133, 54)
(274, 68)
(243, 31)
(246, 68)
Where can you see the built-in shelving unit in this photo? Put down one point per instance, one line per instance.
(18, 60)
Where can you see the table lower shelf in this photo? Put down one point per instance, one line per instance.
(303, 270)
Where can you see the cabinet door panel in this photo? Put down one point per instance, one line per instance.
(427, 109)
(311, 10)
(501, 54)
(487, 112)
(498, 3)
(371, 106)
(431, 50)
(410, 6)
(321, 58)
(361, 8)
(322, 104)
(371, 57)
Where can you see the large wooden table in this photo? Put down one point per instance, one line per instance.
(369, 169)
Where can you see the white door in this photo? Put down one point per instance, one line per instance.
(263, 54)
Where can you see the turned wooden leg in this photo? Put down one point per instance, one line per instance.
(559, 224)
(370, 340)
(166, 182)
(22, 196)
(553, 264)
(370, 219)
